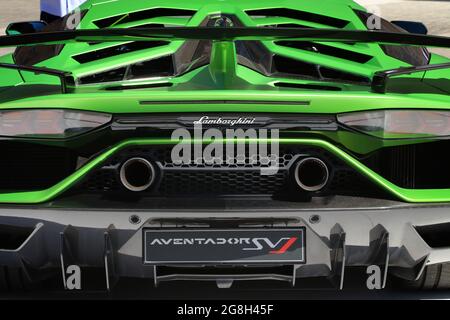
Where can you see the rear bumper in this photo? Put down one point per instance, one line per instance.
(342, 238)
(402, 194)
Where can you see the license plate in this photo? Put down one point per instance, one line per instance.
(237, 246)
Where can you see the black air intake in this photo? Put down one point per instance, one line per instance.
(26, 166)
(436, 235)
(12, 237)
(416, 166)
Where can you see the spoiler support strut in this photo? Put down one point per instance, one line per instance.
(381, 78)
(62, 75)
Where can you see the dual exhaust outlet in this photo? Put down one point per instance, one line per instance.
(138, 174)
(311, 174)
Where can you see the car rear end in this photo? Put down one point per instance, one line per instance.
(342, 177)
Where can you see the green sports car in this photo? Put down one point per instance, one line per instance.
(224, 141)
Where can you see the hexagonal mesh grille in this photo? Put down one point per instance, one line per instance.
(221, 182)
(243, 178)
(102, 180)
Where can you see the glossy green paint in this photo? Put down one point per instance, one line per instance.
(342, 9)
(96, 10)
(407, 195)
(194, 80)
(223, 64)
(128, 101)
(224, 80)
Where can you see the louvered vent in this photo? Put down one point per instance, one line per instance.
(143, 15)
(287, 67)
(160, 67)
(117, 50)
(298, 15)
(326, 50)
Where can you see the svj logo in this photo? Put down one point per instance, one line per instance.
(283, 244)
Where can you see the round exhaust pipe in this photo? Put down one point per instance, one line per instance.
(137, 174)
(311, 174)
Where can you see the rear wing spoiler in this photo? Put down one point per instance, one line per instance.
(220, 34)
(223, 34)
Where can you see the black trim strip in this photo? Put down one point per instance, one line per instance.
(297, 103)
(62, 75)
(225, 34)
